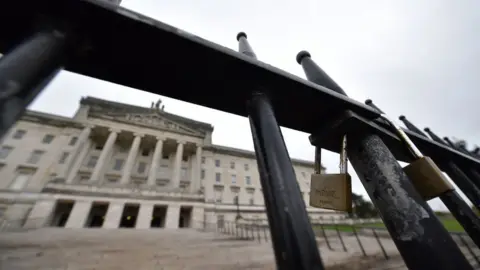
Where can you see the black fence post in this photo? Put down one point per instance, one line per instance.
(358, 240)
(293, 238)
(455, 204)
(423, 242)
(326, 237)
(380, 244)
(25, 71)
(339, 234)
(258, 233)
(458, 176)
(265, 233)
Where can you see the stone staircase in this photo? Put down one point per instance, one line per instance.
(187, 249)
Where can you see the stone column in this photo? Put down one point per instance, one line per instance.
(114, 214)
(198, 217)
(173, 216)
(157, 156)
(197, 167)
(16, 214)
(76, 152)
(177, 165)
(79, 214)
(132, 155)
(107, 149)
(78, 162)
(40, 215)
(144, 218)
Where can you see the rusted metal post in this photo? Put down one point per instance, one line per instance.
(455, 204)
(421, 239)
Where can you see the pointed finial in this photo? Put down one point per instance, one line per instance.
(411, 126)
(315, 74)
(370, 103)
(449, 142)
(434, 136)
(301, 55)
(243, 45)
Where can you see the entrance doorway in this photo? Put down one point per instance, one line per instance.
(129, 216)
(185, 218)
(97, 215)
(158, 216)
(61, 213)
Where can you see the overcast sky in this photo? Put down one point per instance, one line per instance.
(418, 58)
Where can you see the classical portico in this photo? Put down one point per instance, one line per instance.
(116, 165)
(109, 156)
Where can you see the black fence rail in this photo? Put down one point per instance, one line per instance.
(87, 36)
(239, 231)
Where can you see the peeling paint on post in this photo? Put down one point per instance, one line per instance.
(419, 236)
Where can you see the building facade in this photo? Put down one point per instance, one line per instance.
(115, 165)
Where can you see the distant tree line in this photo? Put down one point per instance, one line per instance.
(362, 208)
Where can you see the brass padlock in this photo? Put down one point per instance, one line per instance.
(332, 191)
(424, 174)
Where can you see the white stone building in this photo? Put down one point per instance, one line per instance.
(116, 165)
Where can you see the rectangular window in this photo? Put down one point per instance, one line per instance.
(117, 166)
(19, 133)
(35, 156)
(145, 152)
(246, 167)
(234, 178)
(162, 169)
(218, 177)
(48, 138)
(185, 158)
(203, 160)
(63, 158)
(165, 156)
(112, 179)
(202, 174)
(73, 141)
(235, 199)
(5, 151)
(217, 163)
(183, 173)
(248, 180)
(20, 181)
(99, 147)
(252, 202)
(92, 161)
(232, 165)
(218, 197)
(141, 167)
(84, 179)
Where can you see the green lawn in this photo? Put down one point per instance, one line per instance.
(451, 225)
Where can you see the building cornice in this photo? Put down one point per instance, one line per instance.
(91, 101)
(50, 119)
(249, 154)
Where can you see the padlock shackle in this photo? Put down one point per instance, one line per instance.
(343, 156)
(415, 151)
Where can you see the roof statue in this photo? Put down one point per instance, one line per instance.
(157, 105)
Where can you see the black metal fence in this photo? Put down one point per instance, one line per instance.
(88, 36)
